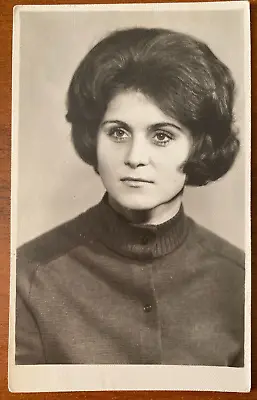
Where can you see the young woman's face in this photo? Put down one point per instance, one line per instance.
(140, 151)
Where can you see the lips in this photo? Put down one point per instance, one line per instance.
(133, 179)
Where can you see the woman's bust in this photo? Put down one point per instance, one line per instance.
(134, 280)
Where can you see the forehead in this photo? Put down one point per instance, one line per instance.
(134, 107)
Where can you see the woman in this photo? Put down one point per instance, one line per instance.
(134, 280)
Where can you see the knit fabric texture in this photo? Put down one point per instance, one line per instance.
(98, 290)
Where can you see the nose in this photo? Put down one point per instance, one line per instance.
(137, 154)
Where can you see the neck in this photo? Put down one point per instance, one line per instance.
(155, 216)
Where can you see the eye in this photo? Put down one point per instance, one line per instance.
(162, 138)
(118, 134)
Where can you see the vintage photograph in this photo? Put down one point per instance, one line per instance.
(131, 149)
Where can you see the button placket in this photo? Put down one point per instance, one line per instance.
(149, 335)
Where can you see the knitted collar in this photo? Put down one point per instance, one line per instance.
(137, 241)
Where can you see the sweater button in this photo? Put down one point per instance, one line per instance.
(147, 308)
(144, 240)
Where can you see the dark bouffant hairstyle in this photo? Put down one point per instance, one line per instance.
(183, 77)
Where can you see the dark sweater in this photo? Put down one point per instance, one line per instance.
(98, 290)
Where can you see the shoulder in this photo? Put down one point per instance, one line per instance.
(217, 247)
(56, 242)
(39, 261)
(219, 268)
(221, 264)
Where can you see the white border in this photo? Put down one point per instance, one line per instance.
(14, 187)
(217, 5)
(64, 378)
(247, 130)
(45, 378)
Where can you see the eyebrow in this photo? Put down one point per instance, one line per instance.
(156, 126)
(167, 124)
(118, 122)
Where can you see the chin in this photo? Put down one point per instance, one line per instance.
(136, 203)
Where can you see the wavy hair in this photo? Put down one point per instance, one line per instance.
(183, 77)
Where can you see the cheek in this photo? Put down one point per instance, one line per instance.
(107, 158)
(104, 155)
(109, 155)
(172, 180)
(179, 158)
(172, 165)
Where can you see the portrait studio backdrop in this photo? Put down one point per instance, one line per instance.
(54, 185)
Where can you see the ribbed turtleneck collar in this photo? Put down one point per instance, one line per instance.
(138, 241)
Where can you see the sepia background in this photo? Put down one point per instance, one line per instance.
(6, 25)
(54, 185)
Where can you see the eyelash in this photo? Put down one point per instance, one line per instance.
(168, 136)
(113, 131)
